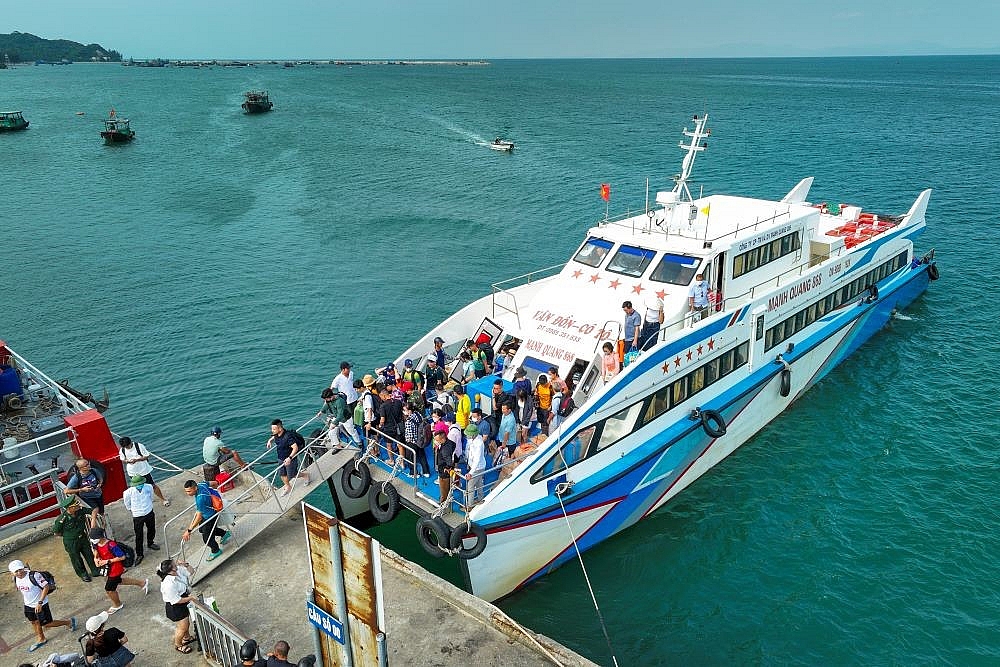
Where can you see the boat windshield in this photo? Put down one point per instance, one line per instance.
(593, 252)
(675, 269)
(631, 260)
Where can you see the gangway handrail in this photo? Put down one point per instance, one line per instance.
(396, 467)
(263, 488)
(219, 640)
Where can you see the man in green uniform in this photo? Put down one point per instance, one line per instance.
(72, 525)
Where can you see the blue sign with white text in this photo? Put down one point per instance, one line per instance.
(325, 622)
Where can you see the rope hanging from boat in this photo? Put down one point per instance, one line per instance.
(560, 490)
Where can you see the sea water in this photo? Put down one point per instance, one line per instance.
(217, 270)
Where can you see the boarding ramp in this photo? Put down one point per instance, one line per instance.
(251, 505)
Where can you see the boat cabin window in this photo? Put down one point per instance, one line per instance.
(593, 252)
(631, 261)
(802, 318)
(617, 426)
(574, 450)
(766, 253)
(689, 384)
(599, 436)
(675, 269)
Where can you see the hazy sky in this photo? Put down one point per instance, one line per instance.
(321, 29)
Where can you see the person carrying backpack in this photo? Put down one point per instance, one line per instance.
(456, 434)
(35, 589)
(416, 437)
(207, 503)
(112, 555)
(287, 443)
(339, 418)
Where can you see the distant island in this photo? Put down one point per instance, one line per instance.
(21, 47)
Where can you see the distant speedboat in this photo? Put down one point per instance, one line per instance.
(117, 130)
(256, 101)
(11, 121)
(502, 145)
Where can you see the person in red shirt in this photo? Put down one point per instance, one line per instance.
(110, 554)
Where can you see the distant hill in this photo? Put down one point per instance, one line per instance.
(25, 47)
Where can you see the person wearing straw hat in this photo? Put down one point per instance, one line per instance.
(368, 401)
(35, 589)
(138, 500)
(72, 526)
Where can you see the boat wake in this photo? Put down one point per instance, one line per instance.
(900, 316)
(466, 135)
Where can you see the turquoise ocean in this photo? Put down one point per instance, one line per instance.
(219, 268)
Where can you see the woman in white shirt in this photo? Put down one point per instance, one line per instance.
(176, 576)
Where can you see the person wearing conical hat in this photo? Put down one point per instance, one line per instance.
(138, 500)
(72, 526)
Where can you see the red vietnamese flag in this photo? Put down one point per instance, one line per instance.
(605, 191)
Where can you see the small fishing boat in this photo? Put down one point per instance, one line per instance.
(11, 121)
(502, 145)
(256, 101)
(117, 130)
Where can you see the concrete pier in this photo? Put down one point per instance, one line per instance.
(262, 588)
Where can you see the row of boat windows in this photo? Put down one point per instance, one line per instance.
(603, 434)
(765, 254)
(633, 261)
(802, 318)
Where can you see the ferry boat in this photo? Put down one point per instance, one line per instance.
(117, 130)
(502, 145)
(256, 101)
(792, 289)
(12, 121)
(44, 427)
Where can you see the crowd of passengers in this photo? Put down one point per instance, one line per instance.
(426, 422)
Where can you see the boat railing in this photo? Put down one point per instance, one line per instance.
(28, 492)
(379, 446)
(504, 299)
(68, 400)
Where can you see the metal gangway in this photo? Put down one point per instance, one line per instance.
(252, 504)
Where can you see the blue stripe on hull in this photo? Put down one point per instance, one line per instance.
(638, 489)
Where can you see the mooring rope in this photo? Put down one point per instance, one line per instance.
(560, 489)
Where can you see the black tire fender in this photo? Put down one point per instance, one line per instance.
(786, 382)
(383, 502)
(355, 477)
(463, 532)
(932, 272)
(713, 423)
(434, 535)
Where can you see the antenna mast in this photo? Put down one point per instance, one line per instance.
(696, 146)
